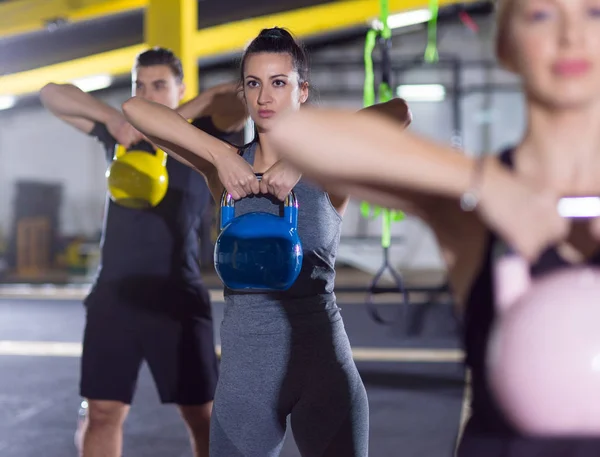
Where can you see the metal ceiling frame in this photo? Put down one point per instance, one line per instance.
(213, 41)
(29, 16)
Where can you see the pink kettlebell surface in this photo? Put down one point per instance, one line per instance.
(544, 353)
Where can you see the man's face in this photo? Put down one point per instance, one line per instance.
(158, 84)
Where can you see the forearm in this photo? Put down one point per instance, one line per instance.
(168, 129)
(220, 100)
(197, 107)
(187, 158)
(370, 151)
(222, 104)
(396, 110)
(377, 195)
(70, 101)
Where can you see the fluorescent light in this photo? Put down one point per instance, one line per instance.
(409, 18)
(396, 21)
(7, 101)
(422, 92)
(579, 207)
(92, 83)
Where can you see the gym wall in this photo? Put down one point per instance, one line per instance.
(34, 145)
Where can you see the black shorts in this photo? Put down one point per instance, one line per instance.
(179, 350)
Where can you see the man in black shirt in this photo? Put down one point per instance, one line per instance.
(148, 301)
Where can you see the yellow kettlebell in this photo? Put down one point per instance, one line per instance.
(137, 179)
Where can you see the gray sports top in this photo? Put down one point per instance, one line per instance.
(311, 299)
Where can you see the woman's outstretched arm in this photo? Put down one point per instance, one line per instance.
(167, 128)
(205, 153)
(369, 156)
(371, 150)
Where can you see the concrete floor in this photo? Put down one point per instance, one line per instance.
(412, 371)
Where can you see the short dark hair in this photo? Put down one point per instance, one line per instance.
(160, 56)
(278, 40)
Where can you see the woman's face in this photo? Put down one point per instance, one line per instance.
(271, 87)
(555, 46)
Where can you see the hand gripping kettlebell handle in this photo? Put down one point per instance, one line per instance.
(290, 205)
(512, 273)
(511, 276)
(120, 151)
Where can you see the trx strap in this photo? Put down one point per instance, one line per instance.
(431, 52)
(381, 38)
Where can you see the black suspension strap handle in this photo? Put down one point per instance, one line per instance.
(373, 290)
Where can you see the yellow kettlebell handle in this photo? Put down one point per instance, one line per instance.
(120, 151)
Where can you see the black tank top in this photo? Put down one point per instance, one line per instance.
(488, 433)
(147, 256)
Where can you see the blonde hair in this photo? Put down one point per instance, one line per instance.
(503, 10)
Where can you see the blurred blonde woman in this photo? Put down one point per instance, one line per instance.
(554, 46)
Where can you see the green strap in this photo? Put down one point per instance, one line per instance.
(388, 216)
(384, 7)
(431, 52)
(369, 91)
(384, 94)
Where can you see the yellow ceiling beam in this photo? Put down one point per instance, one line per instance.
(329, 17)
(216, 40)
(27, 16)
(117, 62)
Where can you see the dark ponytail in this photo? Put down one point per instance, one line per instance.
(278, 41)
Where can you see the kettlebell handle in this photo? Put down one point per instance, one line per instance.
(290, 205)
(512, 273)
(120, 151)
(227, 200)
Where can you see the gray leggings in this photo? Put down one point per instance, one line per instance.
(309, 375)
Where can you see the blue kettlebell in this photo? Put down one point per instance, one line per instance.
(258, 251)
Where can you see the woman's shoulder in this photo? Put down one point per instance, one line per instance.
(247, 148)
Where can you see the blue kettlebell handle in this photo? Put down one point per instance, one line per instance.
(290, 208)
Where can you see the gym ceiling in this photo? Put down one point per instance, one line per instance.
(42, 40)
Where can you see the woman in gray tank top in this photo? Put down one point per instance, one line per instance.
(286, 353)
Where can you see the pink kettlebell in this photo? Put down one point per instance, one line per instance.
(543, 361)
